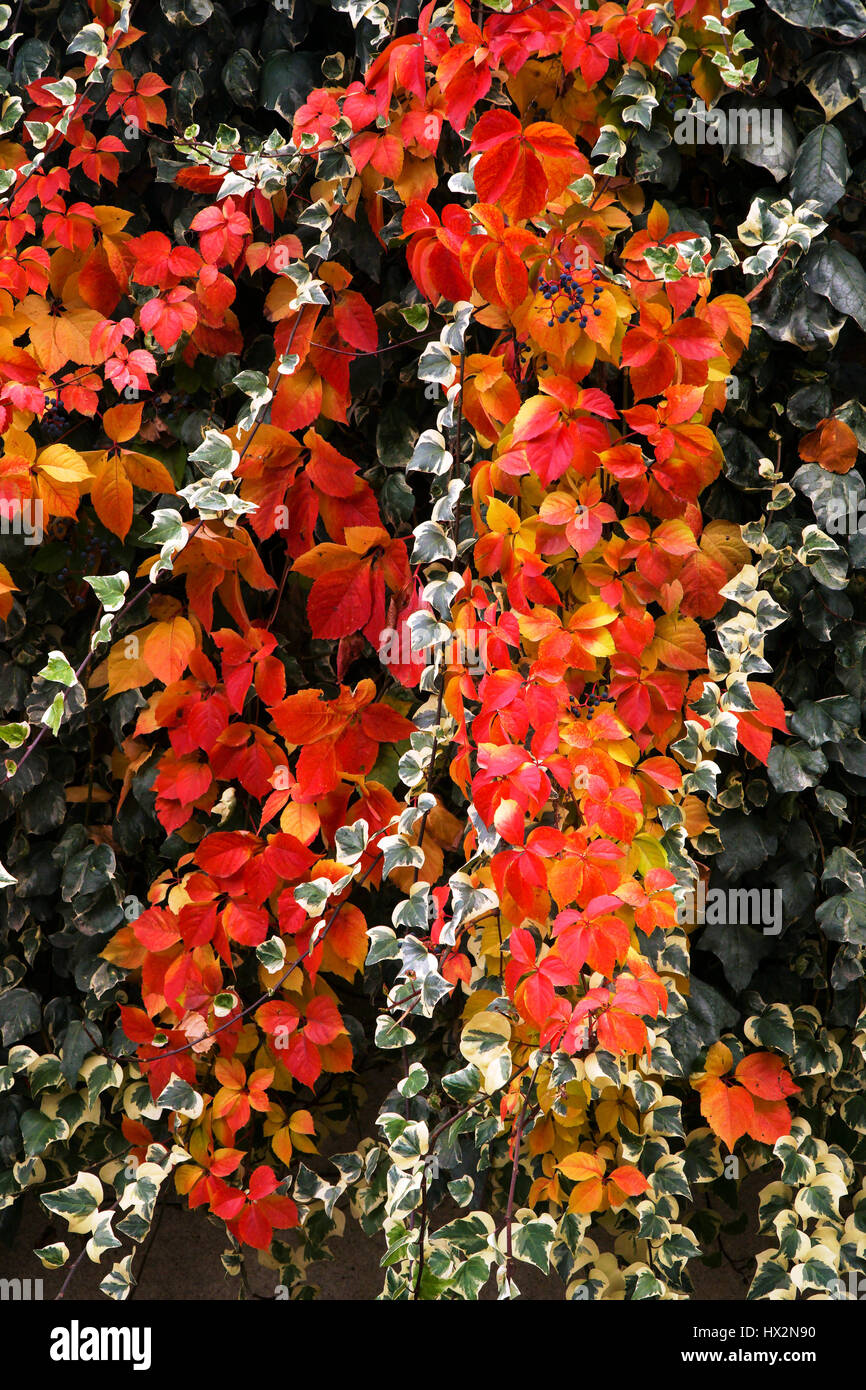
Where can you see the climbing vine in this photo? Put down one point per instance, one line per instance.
(397, 535)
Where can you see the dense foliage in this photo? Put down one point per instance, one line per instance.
(433, 632)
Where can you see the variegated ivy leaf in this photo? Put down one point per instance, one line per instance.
(430, 455)
(414, 912)
(90, 40)
(821, 1197)
(211, 502)
(118, 1284)
(409, 1140)
(39, 1129)
(453, 335)
(641, 112)
(383, 945)
(772, 1280)
(435, 364)
(310, 290)
(136, 1227)
(404, 1192)
(373, 11)
(462, 1190)
(102, 1237)
(44, 1073)
(389, 1034)
(178, 1095)
(416, 959)
(13, 735)
(53, 1256)
(169, 532)
(316, 215)
(468, 901)
(39, 131)
(216, 453)
(409, 818)
(463, 1085)
(314, 895)
(722, 733)
(531, 1239)
(826, 559)
(399, 854)
(441, 593)
(425, 633)
(633, 84)
(76, 1203)
(819, 1270)
(100, 1074)
(53, 716)
(414, 1083)
(485, 1037)
(443, 508)
(611, 147)
(110, 589)
(255, 386)
(497, 1073)
(411, 769)
(64, 90)
(272, 953)
(141, 1192)
(58, 669)
(432, 543)
(351, 841)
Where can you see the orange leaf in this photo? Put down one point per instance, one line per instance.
(121, 422)
(833, 444)
(282, 1145)
(167, 649)
(581, 1166)
(345, 945)
(728, 1110)
(115, 471)
(625, 1182)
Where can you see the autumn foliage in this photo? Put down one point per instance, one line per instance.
(530, 854)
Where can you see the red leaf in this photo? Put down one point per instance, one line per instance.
(763, 1074)
(341, 602)
(355, 322)
(224, 853)
(302, 1060)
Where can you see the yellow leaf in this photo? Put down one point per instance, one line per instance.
(62, 464)
(719, 1060)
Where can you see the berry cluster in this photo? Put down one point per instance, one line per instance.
(55, 422)
(567, 287)
(92, 556)
(680, 89)
(596, 697)
(589, 701)
(95, 553)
